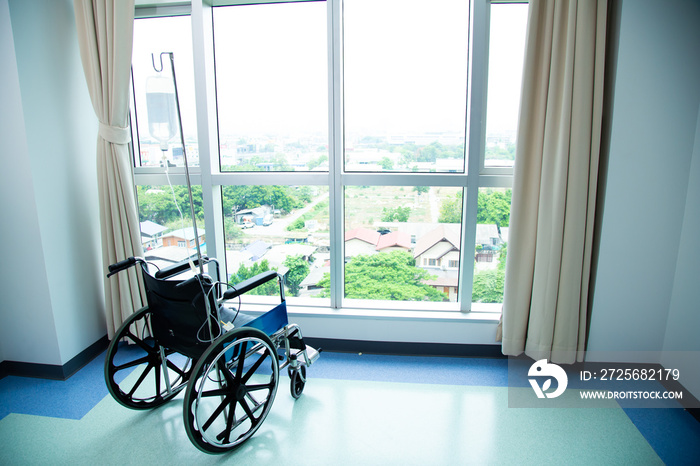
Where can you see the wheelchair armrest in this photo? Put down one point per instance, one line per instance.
(179, 268)
(250, 284)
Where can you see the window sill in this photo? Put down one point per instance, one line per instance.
(481, 313)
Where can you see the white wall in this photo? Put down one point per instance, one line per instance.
(645, 247)
(50, 217)
(681, 342)
(27, 330)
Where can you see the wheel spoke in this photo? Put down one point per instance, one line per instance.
(241, 360)
(216, 413)
(219, 392)
(252, 388)
(133, 363)
(230, 419)
(140, 380)
(175, 368)
(157, 368)
(255, 366)
(249, 412)
(140, 342)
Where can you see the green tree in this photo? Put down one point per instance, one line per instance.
(386, 276)
(284, 198)
(270, 288)
(160, 205)
(451, 209)
(298, 270)
(231, 230)
(421, 189)
(494, 207)
(386, 163)
(396, 214)
(488, 286)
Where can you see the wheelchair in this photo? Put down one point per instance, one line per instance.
(189, 337)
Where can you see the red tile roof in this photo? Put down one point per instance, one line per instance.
(363, 234)
(394, 239)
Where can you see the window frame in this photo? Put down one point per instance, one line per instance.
(212, 179)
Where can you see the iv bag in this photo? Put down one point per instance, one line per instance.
(160, 104)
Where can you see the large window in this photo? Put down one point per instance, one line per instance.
(361, 148)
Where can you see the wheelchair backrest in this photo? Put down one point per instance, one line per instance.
(179, 312)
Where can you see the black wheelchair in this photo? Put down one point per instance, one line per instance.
(189, 337)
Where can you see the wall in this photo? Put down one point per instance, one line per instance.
(681, 342)
(27, 330)
(57, 310)
(649, 214)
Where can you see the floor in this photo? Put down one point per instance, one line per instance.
(356, 409)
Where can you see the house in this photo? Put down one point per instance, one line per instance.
(395, 240)
(438, 253)
(488, 241)
(184, 238)
(151, 234)
(439, 249)
(254, 216)
(361, 241)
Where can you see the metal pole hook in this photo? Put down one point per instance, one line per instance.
(153, 60)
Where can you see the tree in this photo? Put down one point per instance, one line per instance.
(270, 288)
(386, 276)
(421, 189)
(488, 286)
(451, 209)
(284, 198)
(386, 163)
(161, 205)
(494, 207)
(396, 214)
(298, 270)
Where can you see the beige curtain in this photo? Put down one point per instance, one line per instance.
(554, 187)
(105, 34)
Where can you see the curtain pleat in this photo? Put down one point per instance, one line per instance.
(555, 181)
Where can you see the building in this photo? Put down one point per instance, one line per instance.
(151, 234)
(184, 238)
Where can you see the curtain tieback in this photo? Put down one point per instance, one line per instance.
(114, 134)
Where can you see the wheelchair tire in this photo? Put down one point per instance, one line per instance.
(134, 366)
(297, 380)
(231, 391)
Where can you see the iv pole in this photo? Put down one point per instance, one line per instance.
(184, 153)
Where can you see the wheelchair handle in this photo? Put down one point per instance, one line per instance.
(122, 265)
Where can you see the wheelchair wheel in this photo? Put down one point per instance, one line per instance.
(297, 380)
(231, 390)
(134, 366)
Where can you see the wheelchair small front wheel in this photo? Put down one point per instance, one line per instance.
(231, 390)
(297, 380)
(140, 374)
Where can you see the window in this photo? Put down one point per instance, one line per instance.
(361, 148)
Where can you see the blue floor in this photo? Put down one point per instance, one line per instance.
(672, 433)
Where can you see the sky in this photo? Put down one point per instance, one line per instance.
(405, 66)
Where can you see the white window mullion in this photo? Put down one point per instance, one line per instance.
(202, 41)
(477, 113)
(335, 162)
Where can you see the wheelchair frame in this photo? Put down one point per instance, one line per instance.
(229, 375)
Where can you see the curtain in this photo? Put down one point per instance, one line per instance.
(105, 36)
(555, 181)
